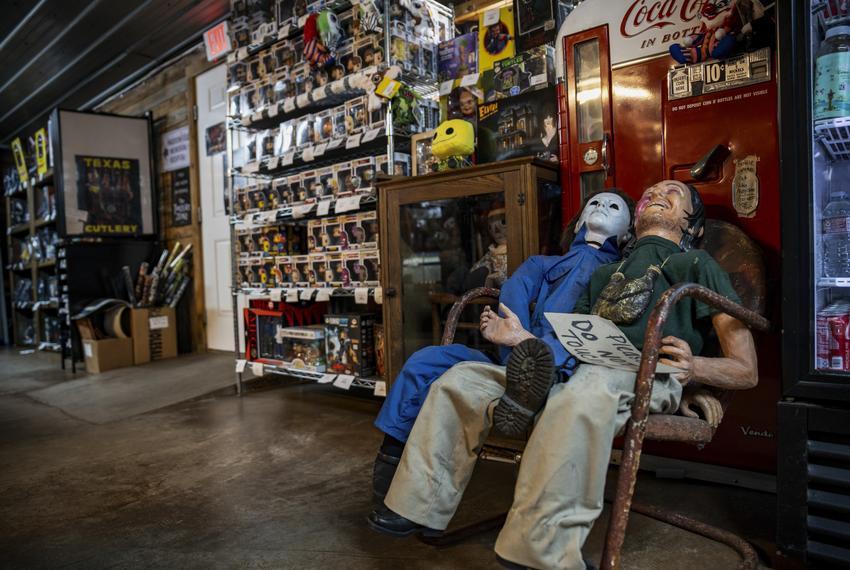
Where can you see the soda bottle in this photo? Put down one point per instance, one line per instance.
(836, 236)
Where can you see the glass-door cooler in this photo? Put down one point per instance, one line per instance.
(813, 475)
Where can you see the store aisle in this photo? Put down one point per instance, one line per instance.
(278, 478)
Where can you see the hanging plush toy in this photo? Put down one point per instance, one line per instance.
(453, 144)
(722, 24)
(321, 36)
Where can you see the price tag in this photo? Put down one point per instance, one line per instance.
(286, 159)
(257, 369)
(469, 79)
(361, 295)
(302, 20)
(251, 167)
(302, 100)
(353, 141)
(273, 110)
(258, 116)
(344, 381)
(242, 53)
(324, 294)
(320, 93)
(231, 57)
(491, 17)
(348, 203)
(323, 208)
(307, 154)
(273, 163)
(283, 32)
(335, 143)
(307, 294)
(275, 295)
(292, 295)
(319, 149)
(289, 104)
(379, 295)
(240, 366)
(301, 210)
(371, 134)
(326, 378)
(446, 87)
(380, 388)
(246, 120)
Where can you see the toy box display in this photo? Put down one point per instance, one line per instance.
(527, 71)
(401, 164)
(350, 344)
(371, 260)
(496, 38)
(525, 125)
(303, 347)
(261, 335)
(457, 57)
(461, 101)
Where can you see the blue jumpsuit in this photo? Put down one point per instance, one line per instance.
(554, 283)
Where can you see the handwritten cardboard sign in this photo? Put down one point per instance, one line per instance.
(596, 340)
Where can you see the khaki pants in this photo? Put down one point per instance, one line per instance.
(559, 491)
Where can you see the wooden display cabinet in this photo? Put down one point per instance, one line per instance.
(436, 227)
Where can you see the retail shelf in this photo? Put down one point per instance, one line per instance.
(44, 305)
(347, 204)
(324, 377)
(834, 135)
(50, 347)
(20, 190)
(18, 228)
(361, 145)
(312, 293)
(19, 266)
(834, 282)
(44, 221)
(46, 264)
(42, 179)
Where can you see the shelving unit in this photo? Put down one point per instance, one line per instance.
(40, 305)
(369, 143)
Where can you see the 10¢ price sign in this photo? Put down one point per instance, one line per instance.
(596, 340)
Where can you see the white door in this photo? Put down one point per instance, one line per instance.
(210, 88)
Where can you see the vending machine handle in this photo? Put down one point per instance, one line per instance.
(605, 165)
(711, 161)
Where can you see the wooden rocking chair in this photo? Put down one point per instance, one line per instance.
(741, 258)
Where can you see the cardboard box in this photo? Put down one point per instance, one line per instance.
(154, 334)
(350, 344)
(108, 353)
(524, 125)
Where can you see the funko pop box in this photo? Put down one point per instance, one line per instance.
(524, 125)
(350, 344)
(527, 71)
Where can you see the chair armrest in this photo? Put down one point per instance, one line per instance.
(460, 305)
(654, 333)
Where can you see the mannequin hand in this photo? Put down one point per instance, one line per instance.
(503, 331)
(678, 355)
(710, 406)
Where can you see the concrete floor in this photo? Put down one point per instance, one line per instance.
(278, 478)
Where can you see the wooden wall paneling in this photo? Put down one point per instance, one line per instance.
(169, 96)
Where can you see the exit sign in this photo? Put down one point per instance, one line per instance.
(217, 41)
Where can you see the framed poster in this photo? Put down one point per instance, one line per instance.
(104, 174)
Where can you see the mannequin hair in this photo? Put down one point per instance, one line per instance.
(695, 219)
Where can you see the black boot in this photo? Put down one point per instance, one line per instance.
(382, 476)
(388, 522)
(530, 375)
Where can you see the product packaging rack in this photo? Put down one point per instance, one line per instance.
(369, 143)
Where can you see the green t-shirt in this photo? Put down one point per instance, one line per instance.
(689, 319)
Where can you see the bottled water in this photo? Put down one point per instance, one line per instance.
(836, 236)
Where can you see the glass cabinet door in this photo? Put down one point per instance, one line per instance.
(447, 248)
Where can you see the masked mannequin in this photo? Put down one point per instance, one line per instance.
(493, 264)
(551, 283)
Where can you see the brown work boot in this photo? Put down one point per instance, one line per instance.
(530, 375)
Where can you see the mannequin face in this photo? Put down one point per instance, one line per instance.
(605, 215)
(498, 226)
(662, 210)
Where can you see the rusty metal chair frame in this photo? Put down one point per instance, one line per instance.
(641, 425)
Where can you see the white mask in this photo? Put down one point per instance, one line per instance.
(605, 215)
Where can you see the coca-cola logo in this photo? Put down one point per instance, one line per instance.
(644, 15)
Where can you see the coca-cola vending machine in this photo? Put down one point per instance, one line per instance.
(632, 115)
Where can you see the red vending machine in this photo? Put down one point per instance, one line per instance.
(632, 116)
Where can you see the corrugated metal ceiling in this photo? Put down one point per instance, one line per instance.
(74, 53)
